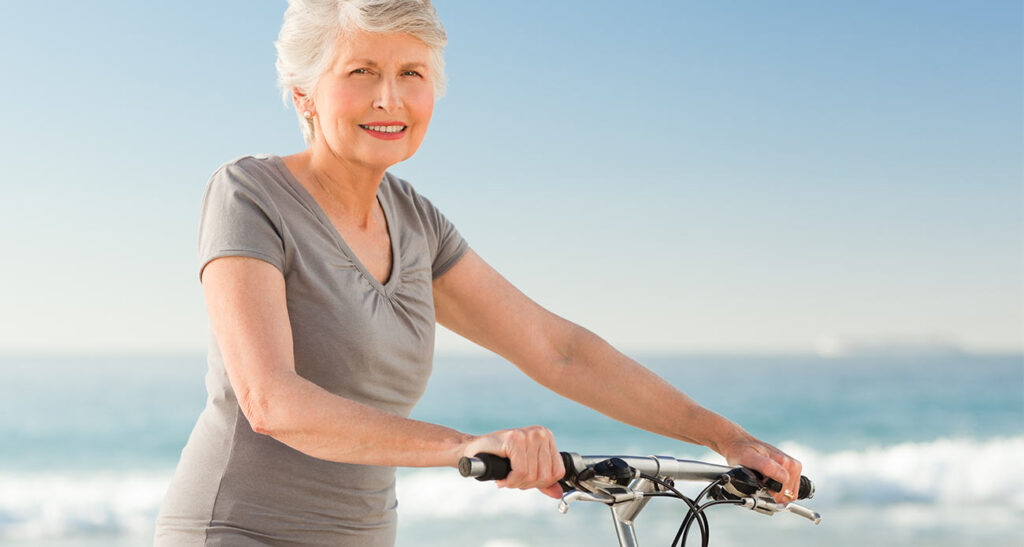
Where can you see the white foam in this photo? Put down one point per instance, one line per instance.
(945, 472)
(60, 504)
(442, 493)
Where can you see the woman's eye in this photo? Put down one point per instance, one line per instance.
(360, 71)
(412, 73)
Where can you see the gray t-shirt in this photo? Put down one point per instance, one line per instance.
(353, 336)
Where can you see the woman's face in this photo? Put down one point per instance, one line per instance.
(373, 105)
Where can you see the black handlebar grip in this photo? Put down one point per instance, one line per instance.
(806, 487)
(495, 467)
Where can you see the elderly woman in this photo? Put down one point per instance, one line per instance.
(324, 275)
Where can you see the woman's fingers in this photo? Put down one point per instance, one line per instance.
(533, 455)
(768, 466)
(791, 488)
(772, 463)
(553, 491)
(786, 471)
(534, 458)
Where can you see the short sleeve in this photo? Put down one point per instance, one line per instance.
(238, 219)
(449, 246)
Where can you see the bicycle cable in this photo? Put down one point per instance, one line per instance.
(693, 509)
(684, 528)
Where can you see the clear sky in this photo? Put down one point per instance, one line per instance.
(737, 176)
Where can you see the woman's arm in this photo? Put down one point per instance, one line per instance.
(473, 300)
(246, 303)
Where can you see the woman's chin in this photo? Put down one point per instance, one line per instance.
(373, 158)
(385, 161)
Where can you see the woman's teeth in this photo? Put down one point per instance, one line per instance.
(385, 128)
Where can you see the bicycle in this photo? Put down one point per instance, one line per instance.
(627, 483)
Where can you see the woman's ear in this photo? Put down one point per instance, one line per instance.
(303, 104)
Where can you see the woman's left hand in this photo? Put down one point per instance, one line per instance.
(770, 461)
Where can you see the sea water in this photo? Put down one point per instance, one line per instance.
(904, 450)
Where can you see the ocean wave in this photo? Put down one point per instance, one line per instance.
(943, 472)
(936, 478)
(42, 505)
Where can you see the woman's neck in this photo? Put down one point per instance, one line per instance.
(350, 188)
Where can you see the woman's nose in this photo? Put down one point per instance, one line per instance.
(388, 97)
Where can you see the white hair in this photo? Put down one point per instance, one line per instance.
(312, 28)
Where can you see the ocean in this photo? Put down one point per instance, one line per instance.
(904, 450)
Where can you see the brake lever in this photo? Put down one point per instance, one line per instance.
(804, 512)
(579, 495)
(768, 506)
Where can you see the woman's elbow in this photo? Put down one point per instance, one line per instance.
(258, 410)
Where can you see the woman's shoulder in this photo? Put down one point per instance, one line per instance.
(252, 180)
(411, 204)
(263, 178)
(250, 170)
(402, 192)
(397, 185)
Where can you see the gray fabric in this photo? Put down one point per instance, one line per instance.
(353, 336)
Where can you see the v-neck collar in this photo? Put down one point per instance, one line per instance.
(388, 288)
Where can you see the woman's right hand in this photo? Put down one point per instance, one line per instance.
(532, 453)
(770, 461)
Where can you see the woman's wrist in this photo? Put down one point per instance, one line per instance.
(722, 433)
(459, 448)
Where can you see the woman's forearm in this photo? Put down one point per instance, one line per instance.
(588, 370)
(308, 418)
(592, 372)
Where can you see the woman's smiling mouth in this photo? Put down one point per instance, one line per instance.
(385, 130)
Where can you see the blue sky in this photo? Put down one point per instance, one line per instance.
(676, 176)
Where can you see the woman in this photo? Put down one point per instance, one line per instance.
(324, 276)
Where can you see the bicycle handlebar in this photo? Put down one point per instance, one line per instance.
(486, 467)
(626, 483)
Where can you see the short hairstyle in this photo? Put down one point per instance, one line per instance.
(312, 28)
